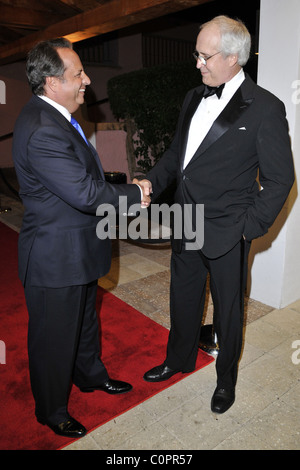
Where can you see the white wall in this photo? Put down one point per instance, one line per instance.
(275, 273)
(17, 94)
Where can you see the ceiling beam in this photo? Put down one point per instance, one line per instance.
(26, 18)
(86, 5)
(109, 16)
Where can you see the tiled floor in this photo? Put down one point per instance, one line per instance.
(266, 413)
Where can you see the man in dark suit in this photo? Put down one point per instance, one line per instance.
(60, 256)
(221, 142)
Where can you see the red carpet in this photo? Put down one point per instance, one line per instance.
(131, 344)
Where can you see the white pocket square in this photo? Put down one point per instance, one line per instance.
(242, 128)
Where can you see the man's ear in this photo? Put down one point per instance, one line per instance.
(233, 59)
(51, 83)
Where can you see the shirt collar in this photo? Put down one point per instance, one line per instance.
(57, 106)
(233, 84)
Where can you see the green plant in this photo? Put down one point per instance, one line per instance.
(149, 101)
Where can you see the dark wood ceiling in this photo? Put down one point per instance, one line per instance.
(25, 22)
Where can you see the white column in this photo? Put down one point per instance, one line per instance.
(274, 276)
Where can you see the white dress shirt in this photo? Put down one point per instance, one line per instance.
(207, 112)
(57, 106)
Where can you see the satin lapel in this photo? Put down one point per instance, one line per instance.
(235, 108)
(191, 109)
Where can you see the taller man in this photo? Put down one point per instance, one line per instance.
(229, 129)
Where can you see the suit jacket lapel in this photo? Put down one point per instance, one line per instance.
(88, 147)
(96, 157)
(232, 112)
(65, 124)
(191, 109)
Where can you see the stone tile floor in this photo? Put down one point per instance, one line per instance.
(266, 413)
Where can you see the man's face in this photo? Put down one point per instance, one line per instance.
(218, 69)
(70, 89)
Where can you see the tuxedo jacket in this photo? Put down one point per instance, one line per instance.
(61, 184)
(250, 136)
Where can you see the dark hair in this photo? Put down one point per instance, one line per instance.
(44, 61)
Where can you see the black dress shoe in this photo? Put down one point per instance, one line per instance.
(160, 373)
(69, 428)
(222, 400)
(113, 387)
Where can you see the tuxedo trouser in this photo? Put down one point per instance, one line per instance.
(63, 346)
(189, 273)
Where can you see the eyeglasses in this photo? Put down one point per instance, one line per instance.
(202, 59)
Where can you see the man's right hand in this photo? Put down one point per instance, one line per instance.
(146, 187)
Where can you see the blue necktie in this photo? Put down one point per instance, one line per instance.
(79, 129)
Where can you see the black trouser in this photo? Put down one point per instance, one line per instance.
(189, 270)
(63, 346)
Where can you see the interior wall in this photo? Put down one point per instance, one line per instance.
(16, 95)
(275, 258)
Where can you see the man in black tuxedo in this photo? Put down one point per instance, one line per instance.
(229, 129)
(60, 256)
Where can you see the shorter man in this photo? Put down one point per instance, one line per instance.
(60, 256)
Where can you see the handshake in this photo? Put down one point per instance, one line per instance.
(146, 189)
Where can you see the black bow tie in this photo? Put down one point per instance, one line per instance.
(213, 90)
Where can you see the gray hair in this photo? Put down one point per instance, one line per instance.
(44, 61)
(235, 37)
